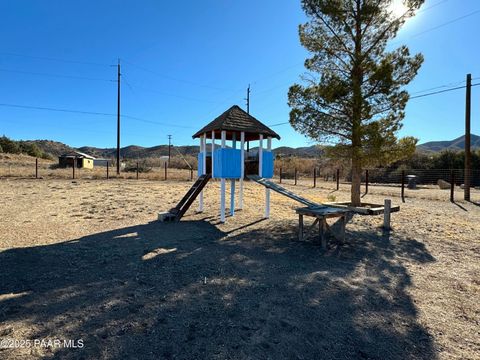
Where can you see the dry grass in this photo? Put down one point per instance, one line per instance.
(86, 260)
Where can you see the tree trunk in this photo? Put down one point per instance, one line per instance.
(356, 181)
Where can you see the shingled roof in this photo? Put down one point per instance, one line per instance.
(236, 120)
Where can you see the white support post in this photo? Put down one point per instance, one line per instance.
(260, 155)
(232, 181)
(386, 214)
(203, 151)
(242, 167)
(222, 185)
(213, 149)
(267, 190)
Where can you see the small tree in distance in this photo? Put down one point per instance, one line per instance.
(353, 94)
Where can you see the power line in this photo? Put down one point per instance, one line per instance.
(413, 97)
(54, 59)
(441, 91)
(54, 75)
(91, 113)
(177, 79)
(446, 23)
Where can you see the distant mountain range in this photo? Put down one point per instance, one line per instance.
(457, 144)
(56, 148)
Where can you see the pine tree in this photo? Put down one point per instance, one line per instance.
(353, 93)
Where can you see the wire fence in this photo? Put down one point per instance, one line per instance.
(436, 184)
(43, 169)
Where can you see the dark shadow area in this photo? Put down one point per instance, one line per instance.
(474, 203)
(189, 291)
(460, 206)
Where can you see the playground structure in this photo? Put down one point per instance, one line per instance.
(229, 162)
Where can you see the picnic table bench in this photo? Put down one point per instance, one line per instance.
(321, 214)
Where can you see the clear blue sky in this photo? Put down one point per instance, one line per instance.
(201, 55)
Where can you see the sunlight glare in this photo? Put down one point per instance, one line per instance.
(397, 8)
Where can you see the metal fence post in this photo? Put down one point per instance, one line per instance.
(452, 186)
(338, 179)
(366, 182)
(107, 171)
(165, 170)
(295, 176)
(36, 168)
(314, 177)
(280, 174)
(403, 185)
(73, 167)
(137, 170)
(191, 174)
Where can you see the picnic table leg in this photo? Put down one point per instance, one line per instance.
(322, 229)
(300, 227)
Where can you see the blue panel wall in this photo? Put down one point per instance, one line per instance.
(267, 164)
(227, 164)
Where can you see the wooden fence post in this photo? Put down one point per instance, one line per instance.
(107, 171)
(452, 186)
(165, 170)
(386, 214)
(36, 168)
(366, 182)
(314, 177)
(403, 185)
(338, 179)
(137, 170)
(295, 175)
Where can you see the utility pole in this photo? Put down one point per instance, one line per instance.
(169, 147)
(118, 117)
(468, 154)
(248, 99)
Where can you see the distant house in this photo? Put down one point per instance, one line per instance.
(78, 158)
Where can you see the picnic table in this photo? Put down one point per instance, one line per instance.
(321, 214)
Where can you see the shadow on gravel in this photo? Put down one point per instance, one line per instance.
(189, 291)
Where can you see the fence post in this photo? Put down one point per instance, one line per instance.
(403, 185)
(452, 186)
(338, 179)
(165, 170)
(191, 174)
(366, 182)
(107, 171)
(36, 168)
(280, 174)
(295, 176)
(137, 170)
(386, 214)
(73, 167)
(314, 177)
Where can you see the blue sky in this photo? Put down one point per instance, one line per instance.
(186, 62)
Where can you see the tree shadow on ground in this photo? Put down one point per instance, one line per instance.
(189, 291)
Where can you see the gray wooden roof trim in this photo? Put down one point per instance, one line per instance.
(236, 119)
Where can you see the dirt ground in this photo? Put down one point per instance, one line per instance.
(86, 260)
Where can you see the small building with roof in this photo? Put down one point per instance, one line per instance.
(77, 159)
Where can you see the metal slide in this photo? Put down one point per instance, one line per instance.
(281, 190)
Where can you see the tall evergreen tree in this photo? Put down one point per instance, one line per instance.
(353, 93)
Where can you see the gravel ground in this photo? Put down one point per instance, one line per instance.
(86, 260)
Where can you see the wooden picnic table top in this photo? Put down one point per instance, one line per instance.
(322, 211)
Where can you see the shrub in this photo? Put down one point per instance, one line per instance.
(9, 146)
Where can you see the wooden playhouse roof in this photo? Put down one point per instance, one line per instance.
(236, 120)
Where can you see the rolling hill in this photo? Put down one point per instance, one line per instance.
(457, 144)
